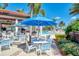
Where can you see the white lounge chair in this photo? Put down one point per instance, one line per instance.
(29, 47)
(46, 48)
(4, 43)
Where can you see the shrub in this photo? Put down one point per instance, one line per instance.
(69, 47)
(75, 51)
(73, 26)
(63, 41)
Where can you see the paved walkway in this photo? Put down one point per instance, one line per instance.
(56, 50)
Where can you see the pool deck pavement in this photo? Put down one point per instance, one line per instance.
(15, 50)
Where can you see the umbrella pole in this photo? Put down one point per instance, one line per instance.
(30, 30)
(38, 33)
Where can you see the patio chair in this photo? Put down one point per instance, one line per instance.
(4, 43)
(22, 38)
(10, 38)
(29, 47)
(46, 48)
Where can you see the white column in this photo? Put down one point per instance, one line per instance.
(16, 28)
(41, 28)
(30, 30)
(36, 29)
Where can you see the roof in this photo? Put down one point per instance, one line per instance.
(13, 14)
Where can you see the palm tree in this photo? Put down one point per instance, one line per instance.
(3, 5)
(55, 19)
(61, 24)
(20, 10)
(74, 9)
(35, 9)
(55, 26)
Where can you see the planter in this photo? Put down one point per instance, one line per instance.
(60, 36)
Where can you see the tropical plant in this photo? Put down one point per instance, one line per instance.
(55, 19)
(69, 47)
(61, 24)
(20, 10)
(48, 27)
(74, 9)
(3, 5)
(64, 41)
(35, 9)
(73, 26)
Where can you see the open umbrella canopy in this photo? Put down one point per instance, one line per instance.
(38, 21)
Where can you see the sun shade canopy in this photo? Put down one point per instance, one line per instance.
(38, 21)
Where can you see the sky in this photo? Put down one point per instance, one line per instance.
(52, 10)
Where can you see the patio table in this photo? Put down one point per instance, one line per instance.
(39, 43)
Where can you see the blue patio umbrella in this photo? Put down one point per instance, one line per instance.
(38, 21)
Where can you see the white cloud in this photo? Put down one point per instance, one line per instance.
(73, 18)
(57, 17)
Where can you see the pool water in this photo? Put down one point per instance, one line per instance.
(45, 32)
(4, 42)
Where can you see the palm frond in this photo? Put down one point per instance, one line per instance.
(31, 5)
(74, 9)
(42, 12)
(20, 10)
(36, 9)
(5, 5)
(61, 23)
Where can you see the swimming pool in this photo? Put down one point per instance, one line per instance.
(47, 32)
(4, 42)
